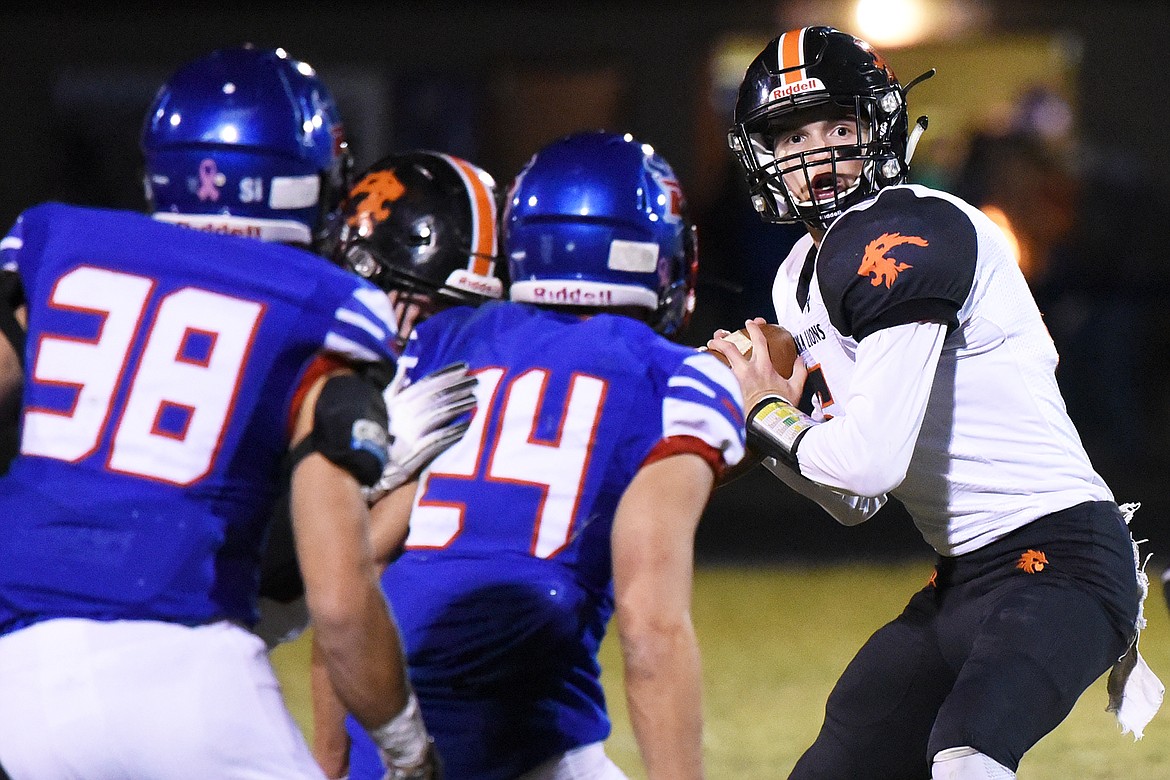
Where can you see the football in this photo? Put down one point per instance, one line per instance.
(781, 347)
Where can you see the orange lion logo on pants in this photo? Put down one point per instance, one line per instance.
(881, 268)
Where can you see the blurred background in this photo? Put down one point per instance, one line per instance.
(1048, 115)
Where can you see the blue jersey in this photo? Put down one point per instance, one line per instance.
(504, 591)
(160, 371)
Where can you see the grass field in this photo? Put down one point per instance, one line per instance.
(774, 640)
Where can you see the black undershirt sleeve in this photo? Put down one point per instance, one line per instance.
(12, 298)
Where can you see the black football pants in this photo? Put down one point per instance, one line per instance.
(993, 654)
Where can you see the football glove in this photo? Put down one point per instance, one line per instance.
(426, 417)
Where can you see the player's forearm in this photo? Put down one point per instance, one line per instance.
(390, 522)
(845, 508)
(330, 740)
(663, 693)
(358, 640)
(361, 650)
(653, 554)
(367, 671)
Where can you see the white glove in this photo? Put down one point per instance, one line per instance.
(423, 423)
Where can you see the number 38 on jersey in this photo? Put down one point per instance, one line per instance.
(156, 378)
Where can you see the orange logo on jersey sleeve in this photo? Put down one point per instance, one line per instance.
(371, 195)
(881, 268)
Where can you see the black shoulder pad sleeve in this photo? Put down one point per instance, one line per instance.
(906, 257)
(350, 427)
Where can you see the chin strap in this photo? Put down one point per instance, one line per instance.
(921, 77)
(922, 121)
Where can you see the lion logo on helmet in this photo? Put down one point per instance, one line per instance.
(370, 196)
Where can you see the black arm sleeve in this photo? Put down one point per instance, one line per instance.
(350, 428)
(280, 572)
(12, 298)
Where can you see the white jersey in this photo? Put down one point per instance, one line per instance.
(932, 371)
(825, 353)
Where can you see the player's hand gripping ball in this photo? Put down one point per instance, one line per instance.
(781, 347)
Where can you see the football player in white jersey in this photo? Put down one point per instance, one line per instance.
(934, 381)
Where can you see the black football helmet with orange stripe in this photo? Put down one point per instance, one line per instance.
(817, 68)
(424, 224)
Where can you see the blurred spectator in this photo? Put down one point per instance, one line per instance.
(1023, 177)
(1083, 218)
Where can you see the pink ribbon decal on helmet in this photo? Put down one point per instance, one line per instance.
(207, 175)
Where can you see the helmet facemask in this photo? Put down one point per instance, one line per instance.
(412, 298)
(676, 298)
(335, 183)
(359, 257)
(879, 153)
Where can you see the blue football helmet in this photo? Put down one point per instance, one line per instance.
(598, 220)
(246, 141)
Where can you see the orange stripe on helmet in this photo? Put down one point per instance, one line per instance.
(483, 217)
(791, 50)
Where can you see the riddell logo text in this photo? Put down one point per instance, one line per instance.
(788, 90)
(470, 283)
(575, 297)
(247, 231)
